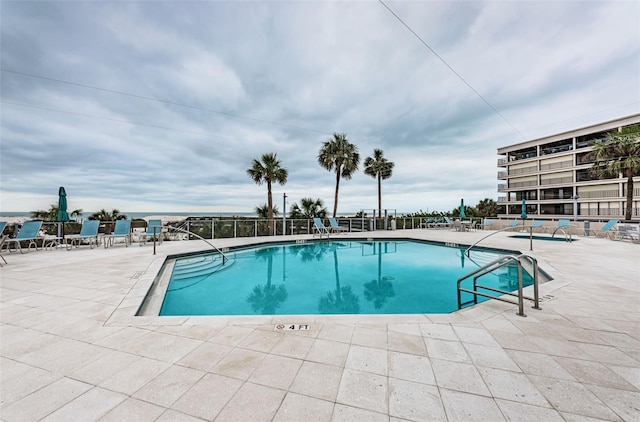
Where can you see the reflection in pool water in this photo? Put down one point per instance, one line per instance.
(329, 277)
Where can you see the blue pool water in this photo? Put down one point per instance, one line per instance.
(336, 277)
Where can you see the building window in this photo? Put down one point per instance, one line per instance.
(558, 193)
(590, 139)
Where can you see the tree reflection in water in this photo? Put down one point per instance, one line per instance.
(267, 298)
(342, 300)
(380, 289)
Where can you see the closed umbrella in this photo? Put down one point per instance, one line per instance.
(462, 215)
(523, 213)
(62, 210)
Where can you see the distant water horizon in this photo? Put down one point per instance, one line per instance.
(134, 215)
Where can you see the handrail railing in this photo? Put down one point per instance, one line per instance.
(466, 251)
(224, 257)
(494, 265)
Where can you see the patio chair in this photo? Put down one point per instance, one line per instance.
(627, 232)
(121, 230)
(443, 223)
(89, 231)
(319, 228)
(512, 224)
(3, 238)
(154, 229)
(487, 224)
(427, 223)
(562, 225)
(29, 232)
(536, 224)
(335, 227)
(607, 230)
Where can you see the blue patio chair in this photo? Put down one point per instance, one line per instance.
(608, 229)
(443, 223)
(536, 224)
(335, 227)
(427, 223)
(512, 224)
(319, 228)
(3, 238)
(29, 232)
(154, 229)
(562, 225)
(89, 231)
(487, 224)
(122, 230)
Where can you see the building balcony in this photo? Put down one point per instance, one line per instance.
(555, 166)
(523, 184)
(521, 171)
(557, 181)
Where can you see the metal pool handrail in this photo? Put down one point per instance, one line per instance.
(466, 251)
(494, 265)
(224, 257)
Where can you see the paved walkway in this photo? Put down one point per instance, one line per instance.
(71, 348)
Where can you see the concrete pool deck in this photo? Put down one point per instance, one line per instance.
(71, 348)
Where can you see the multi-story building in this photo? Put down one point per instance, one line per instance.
(552, 175)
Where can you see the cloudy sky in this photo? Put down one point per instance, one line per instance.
(161, 106)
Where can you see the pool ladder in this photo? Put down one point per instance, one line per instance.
(503, 261)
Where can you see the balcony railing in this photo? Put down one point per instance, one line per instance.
(557, 181)
(523, 184)
(525, 170)
(609, 193)
(553, 166)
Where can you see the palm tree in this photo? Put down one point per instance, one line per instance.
(52, 214)
(379, 168)
(308, 208)
(104, 215)
(486, 208)
(619, 154)
(263, 211)
(269, 170)
(339, 155)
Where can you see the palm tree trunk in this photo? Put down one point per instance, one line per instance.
(335, 198)
(270, 206)
(379, 196)
(629, 207)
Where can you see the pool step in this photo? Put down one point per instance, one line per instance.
(197, 266)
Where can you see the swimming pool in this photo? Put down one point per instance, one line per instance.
(330, 277)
